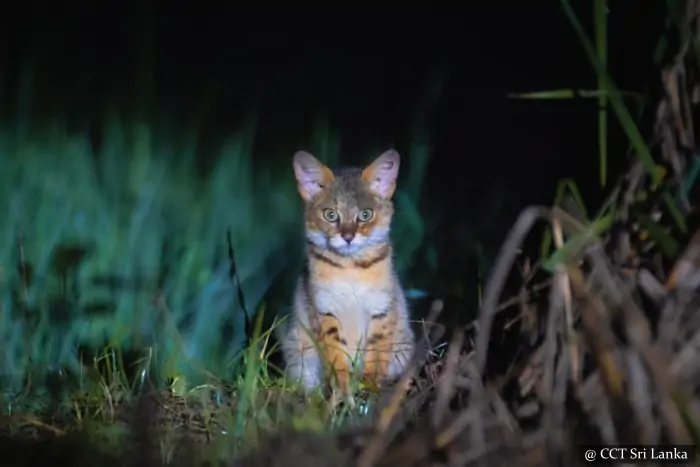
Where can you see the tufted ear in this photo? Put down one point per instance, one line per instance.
(312, 176)
(381, 174)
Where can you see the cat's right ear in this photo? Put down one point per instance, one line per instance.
(312, 176)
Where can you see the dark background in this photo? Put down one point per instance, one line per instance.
(368, 69)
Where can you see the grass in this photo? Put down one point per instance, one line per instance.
(124, 322)
(115, 281)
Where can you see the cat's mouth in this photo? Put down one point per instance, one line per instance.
(347, 249)
(344, 248)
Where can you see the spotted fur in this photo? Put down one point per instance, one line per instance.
(349, 312)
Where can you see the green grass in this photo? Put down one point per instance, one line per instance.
(225, 417)
(567, 192)
(114, 275)
(104, 233)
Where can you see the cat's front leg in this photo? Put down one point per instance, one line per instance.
(379, 349)
(334, 347)
(303, 363)
(389, 345)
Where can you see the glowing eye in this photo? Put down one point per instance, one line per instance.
(365, 215)
(330, 215)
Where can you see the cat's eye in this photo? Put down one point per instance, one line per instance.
(365, 215)
(331, 215)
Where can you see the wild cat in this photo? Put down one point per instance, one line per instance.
(349, 311)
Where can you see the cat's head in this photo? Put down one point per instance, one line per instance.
(351, 209)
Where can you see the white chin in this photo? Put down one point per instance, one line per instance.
(345, 248)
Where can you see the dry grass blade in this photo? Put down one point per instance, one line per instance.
(447, 385)
(504, 262)
(637, 330)
(555, 374)
(603, 344)
(685, 271)
(380, 439)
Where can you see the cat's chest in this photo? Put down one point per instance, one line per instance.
(347, 297)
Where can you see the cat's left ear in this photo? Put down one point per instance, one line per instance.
(381, 174)
(312, 176)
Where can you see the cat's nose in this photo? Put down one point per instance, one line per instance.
(348, 236)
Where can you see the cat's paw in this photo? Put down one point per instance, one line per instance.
(338, 398)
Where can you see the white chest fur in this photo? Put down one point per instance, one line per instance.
(353, 302)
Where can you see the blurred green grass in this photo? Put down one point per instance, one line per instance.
(114, 272)
(118, 245)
